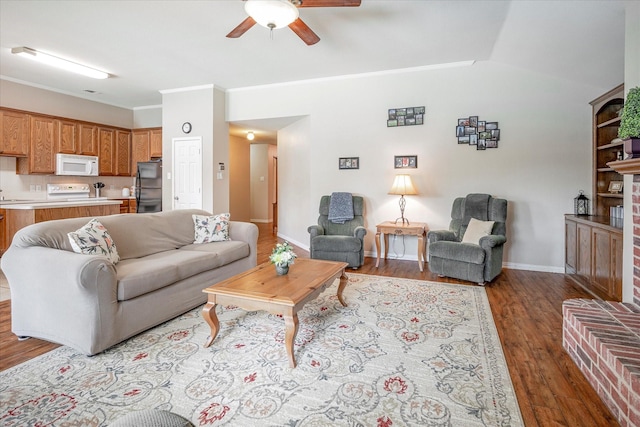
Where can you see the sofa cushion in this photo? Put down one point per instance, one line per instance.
(141, 275)
(214, 228)
(337, 244)
(94, 239)
(476, 230)
(464, 252)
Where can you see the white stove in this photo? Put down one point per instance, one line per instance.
(63, 192)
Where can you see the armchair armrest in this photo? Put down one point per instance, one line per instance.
(359, 232)
(441, 235)
(315, 230)
(492, 240)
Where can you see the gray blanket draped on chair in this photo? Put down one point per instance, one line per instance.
(340, 207)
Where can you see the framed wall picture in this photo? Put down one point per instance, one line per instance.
(349, 163)
(402, 162)
(408, 116)
(481, 133)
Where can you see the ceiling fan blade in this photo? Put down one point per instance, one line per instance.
(304, 32)
(330, 3)
(242, 28)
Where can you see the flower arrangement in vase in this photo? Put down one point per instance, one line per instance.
(282, 257)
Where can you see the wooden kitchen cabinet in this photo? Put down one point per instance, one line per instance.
(106, 151)
(43, 134)
(67, 140)
(128, 206)
(14, 131)
(593, 255)
(123, 153)
(155, 137)
(88, 138)
(146, 144)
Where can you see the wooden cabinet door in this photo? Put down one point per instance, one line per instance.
(88, 137)
(123, 153)
(140, 145)
(107, 151)
(155, 150)
(67, 137)
(583, 258)
(570, 247)
(43, 132)
(14, 131)
(615, 288)
(601, 271)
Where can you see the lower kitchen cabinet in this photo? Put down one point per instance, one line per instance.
(127, 206)
(593, 255)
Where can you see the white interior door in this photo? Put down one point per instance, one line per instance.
(187, 173)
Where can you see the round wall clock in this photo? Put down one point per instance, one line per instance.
(186, 127)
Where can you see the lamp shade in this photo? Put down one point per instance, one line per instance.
(272, 14)
(403, 186)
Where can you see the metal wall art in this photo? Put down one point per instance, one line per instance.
(476, 132)
(405, 116)
(349, 163)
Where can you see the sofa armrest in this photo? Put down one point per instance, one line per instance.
(492, 240)
(315, 230)
(360, 232)
(61, 296)
(441, 235)
(246, 232)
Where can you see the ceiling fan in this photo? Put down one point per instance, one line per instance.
(275, 14)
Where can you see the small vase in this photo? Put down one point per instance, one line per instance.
(281, 271)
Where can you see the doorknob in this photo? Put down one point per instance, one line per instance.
(176, 198)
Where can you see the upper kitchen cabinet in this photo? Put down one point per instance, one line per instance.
(14, 129)
(123, 153)
(145, 145)
(88, 138)
(107, 151)
(43, 135)
(155, 143)
(68, 142)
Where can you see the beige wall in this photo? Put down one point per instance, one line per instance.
(239, 179)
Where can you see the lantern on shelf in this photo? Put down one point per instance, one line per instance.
(581, 204)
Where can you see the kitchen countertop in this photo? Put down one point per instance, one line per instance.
(48, 204)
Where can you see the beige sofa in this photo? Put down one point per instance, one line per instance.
(88, 303)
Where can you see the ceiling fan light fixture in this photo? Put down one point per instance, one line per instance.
(271, 14)
(54, 61)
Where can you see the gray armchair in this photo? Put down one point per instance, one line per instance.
(480, 263)
(339, 242)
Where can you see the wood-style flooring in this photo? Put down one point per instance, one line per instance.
(527, 309)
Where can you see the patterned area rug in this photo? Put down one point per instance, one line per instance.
(403, 353)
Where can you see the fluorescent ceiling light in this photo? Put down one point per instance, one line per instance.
(272, 14)
(59, 62)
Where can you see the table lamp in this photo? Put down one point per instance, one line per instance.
(403, 186)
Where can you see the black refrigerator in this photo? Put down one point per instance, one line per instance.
(149, 187)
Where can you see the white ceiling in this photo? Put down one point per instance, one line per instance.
(150, 46)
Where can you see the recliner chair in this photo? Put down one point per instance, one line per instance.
(338, 242)
(478, 262)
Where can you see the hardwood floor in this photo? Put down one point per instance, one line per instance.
(527, 309)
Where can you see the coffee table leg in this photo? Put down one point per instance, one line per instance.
(290, 332)
(210, 316)
(343, 284)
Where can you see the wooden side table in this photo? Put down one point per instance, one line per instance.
(413, 229)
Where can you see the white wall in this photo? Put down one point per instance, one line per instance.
(543, 160)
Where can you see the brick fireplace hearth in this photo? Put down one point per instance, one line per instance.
(603, 337)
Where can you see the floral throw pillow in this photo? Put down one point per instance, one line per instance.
(213, 228)
(93, 239)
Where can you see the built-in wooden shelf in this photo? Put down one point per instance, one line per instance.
(611, 145)
(627, 166)
(612, 195)
(615, 120)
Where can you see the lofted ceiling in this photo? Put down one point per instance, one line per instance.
(148, 46)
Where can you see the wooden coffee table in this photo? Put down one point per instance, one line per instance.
(262, 289)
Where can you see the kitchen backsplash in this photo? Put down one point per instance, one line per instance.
(34, 187)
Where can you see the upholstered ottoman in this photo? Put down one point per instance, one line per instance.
(151, 418)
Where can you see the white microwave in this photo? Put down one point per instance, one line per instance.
(73, 164)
